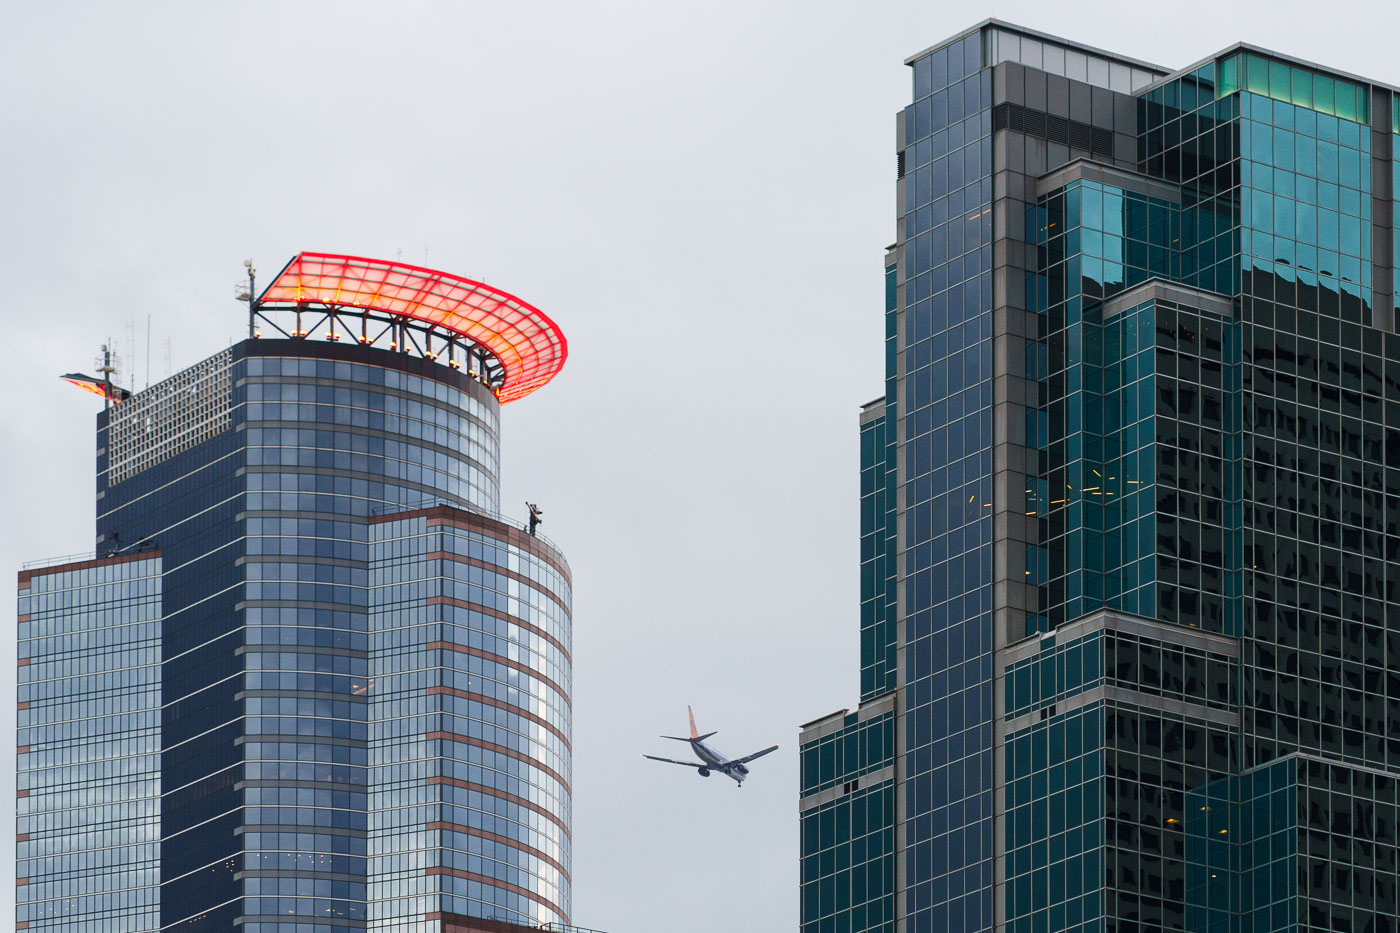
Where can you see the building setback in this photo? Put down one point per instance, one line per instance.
(1130, 508)
(311, 682)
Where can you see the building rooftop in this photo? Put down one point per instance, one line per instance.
(1157, 73)
(1276, 56)
(1012, 28)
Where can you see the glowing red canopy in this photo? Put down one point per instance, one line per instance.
(530, 347)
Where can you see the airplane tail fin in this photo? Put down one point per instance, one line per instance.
(695, 735)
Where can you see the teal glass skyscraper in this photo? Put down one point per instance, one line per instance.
(1130, 508)
(311, 681)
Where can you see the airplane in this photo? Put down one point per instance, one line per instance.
(711, 760)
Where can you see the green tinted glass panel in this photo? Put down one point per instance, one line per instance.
(1294, 85)
(1324, 98)
(1228, 76)
(1257, 75)
(1302, 87)
(1346, 99)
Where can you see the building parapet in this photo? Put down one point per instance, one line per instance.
(1105, 174)
(1156, 289)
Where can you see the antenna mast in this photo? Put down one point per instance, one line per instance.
(250, 295)
(106, 369)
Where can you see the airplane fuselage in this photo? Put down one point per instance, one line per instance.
(716, 761)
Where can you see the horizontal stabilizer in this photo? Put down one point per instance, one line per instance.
(693, 738)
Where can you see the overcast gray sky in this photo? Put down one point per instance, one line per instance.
(698, 193)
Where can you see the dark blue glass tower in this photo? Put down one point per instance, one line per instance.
(1141, 396)
(330, 685)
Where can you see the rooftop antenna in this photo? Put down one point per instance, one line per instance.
(108, 367)
(131, 342)
(249, 294)
(148, 350)
(101, 384)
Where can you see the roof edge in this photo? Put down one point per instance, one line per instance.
(1243, 46)
(1044, 37)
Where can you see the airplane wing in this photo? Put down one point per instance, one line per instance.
(748, 758)
(672, 761)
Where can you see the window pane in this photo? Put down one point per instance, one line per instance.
(1302, 87)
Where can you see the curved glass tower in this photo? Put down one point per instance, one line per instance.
(344, 679)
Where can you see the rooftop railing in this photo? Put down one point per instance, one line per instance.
(429, 502)
(56, 561)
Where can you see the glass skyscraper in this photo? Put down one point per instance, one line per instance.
(311, 681)
(1130, 508)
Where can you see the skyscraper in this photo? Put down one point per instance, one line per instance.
(311, 681)
(1130, 507)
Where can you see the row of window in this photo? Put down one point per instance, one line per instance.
(305, 907)
(408, 782)
(267, 817)
(94, 601)
(525, 603)
(410, 853)
(359, 374)
(405, 694)
(406, 495)
(390, 403)
(457, 670)
(547, 837)
(255, 859)
(373, 449)
(446, 431)
(303, 887)
(89, 696)
(508, 638)
(445, 758)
